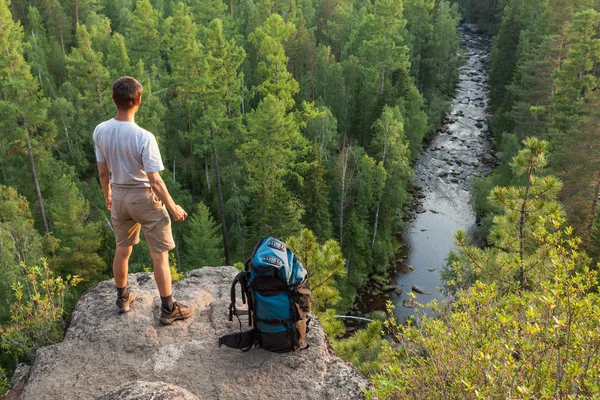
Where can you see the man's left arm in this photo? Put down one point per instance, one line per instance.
(105, 182)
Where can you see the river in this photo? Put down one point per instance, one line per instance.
(460, 151)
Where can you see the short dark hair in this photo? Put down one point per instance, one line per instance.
(126, 92)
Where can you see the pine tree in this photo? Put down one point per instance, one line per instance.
(274, 139)
(515, 259)
(316, 197)
(22, 110)
(89, 85)
(324, 263)
(143, 36)
(78, 237)
(203, 243)
(60, 25)
(220, 88)
(391, 150)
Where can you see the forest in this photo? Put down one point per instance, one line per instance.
(271, 117)
(301, 119)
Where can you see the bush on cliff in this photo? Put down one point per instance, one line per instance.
(543, 343)
(37, 312)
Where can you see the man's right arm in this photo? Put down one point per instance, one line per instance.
(105, 183)
(160, 190)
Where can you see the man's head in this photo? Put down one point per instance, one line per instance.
(127, 92)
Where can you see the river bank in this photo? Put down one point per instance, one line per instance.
(460, 151)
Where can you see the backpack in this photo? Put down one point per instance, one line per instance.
(274, 284)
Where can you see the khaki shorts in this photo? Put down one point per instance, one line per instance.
(140, 205)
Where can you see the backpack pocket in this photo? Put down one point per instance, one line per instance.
(271, 255)
(272, 309)
(279, 342)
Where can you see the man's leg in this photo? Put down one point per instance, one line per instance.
(120, 269)
(121, 265)
(162, 276)
(171, 310)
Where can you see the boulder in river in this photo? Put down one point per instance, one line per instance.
(479, 125)
(418, 289)
(409, 303)
(489, 158)
(405, 268)
(420, 209)
(389, 288)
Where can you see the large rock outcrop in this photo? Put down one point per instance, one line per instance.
(106, 355)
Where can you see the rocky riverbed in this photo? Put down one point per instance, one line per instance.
(460, 151)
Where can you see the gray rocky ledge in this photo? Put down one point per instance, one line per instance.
(104, 354)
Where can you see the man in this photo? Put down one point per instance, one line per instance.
(129, 163)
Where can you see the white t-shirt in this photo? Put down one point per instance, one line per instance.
(129, 151)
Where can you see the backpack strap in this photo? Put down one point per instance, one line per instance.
(242, 279)
(240, 340)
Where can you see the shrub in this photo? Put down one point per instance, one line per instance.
(3, 382)
(37, 311)
(538, 344)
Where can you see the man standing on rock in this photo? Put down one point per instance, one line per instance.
(129, 163)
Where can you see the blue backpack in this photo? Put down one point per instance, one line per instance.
(275, 287)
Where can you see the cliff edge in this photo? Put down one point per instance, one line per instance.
(109, 356)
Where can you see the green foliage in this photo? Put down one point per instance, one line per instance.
(535, 344)
(19, 242)
(333, 327)
(543, 84)
(324, 263)
(203, 243)
(515, 254)
(78, 237)
(363, 349)
(275, 117)
(3, 382)
(176, 276)
(37, 311)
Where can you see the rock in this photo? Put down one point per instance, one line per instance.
(430, 269)
(398, 291)
(488, 157)
(478, 125)
(379, 314)
(499, 155)
(443, 174)
(418, 289)
(405, 268)
(141, 390)
(475, 164)
(389, 288)
(420, 210)
(408, 303)
(17, 383)
(103, 350)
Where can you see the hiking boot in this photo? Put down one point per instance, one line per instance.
(178, 311)
(124, 302)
